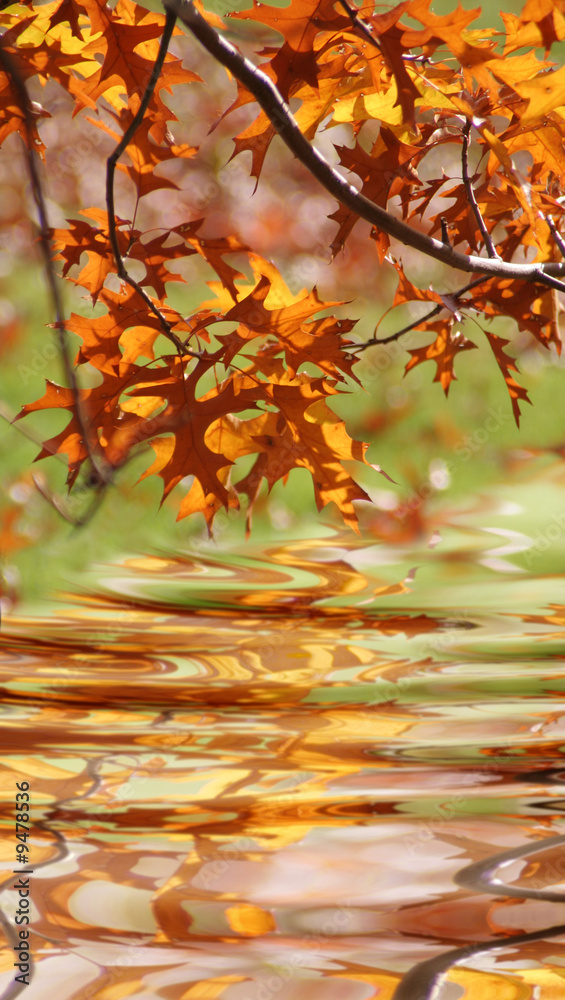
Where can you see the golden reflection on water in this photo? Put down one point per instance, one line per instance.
(260, 779)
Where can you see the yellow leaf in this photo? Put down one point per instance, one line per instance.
(544, 93)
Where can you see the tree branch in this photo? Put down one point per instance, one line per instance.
(359, 24)
(101, 469)
(556, 234)
(280, 116)
(110, 172)
(367, 31)
(487, 238)
(422, 319)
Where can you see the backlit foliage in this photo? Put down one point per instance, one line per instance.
(408, 82)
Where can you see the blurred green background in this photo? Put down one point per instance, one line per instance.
(441, 453)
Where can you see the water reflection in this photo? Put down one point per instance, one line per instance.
(295, 774)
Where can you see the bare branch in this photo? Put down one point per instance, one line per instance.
(487, 238)
(421, 319)
(278, 112)
(556, 234)
(110, 172)
(445, 231)
(99, 465)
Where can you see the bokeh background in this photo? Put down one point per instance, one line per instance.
(444, 455)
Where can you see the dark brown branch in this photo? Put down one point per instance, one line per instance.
(368, 33)
(110, 172)
(556, 235)
(487, 238)
(445, 231)
(415, 323)
(359, 24)
(278, 112)
(99, 465)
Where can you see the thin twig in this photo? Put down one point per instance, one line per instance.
(368, 33)
(61, 508)
(110, 172)
(445, 231)
(359, 24)
(421, 319)
(556, 234)
(487, 238)
(269, 99)
(102, 470)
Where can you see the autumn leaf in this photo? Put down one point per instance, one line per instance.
(255, 367)
(299, 23)
(100, 407)
(445, 348)
(507, 365)
(387, 171)
(128, 43)
(308, 435)
(188, 419)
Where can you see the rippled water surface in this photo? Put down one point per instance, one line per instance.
(323, 770)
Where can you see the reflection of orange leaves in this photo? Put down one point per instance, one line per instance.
(212, 989)
(480, 985)
(250, 920)
(385, 983)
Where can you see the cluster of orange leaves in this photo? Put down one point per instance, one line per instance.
(246, 392)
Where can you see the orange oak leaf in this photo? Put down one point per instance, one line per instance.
(532, 308)
(127, 325)
(270, 310)
(507, 365)
(385, 172)
(82, 237)
(188, 418)
(128, 43)
(145, 153)
(445, 348)
(299, 24)
(308, 435)
(540, 23)
(100, 408)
